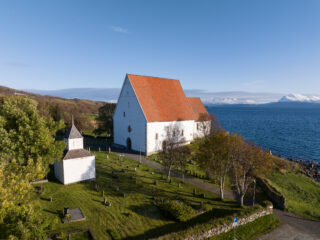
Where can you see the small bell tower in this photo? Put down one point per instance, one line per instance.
(74, 138)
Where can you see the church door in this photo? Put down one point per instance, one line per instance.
(129, 147)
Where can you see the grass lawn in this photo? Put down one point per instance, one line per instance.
(130, 216)
(260, 196)
(302, 193)
(251, 230)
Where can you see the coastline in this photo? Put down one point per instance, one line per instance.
(310, 168)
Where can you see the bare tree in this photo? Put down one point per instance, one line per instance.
(248, 163)
(181, 155)
(173, 140)
(215, 124)
(204, 125)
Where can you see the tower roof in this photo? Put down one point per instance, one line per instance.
(73, 132)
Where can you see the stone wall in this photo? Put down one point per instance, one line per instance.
(276, 197)
(228, 227)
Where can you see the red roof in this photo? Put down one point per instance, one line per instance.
(161, 99)
(199, 111)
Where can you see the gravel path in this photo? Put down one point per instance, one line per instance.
(293, 227)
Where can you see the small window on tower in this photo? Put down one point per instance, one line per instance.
(182, 133)
(129, 128)
(156, 136)
(124, 114)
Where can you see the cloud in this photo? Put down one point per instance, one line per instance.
(118, 29)
(254, 83)
(15, 64)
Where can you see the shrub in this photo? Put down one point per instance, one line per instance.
(114, 234)
(175, 210)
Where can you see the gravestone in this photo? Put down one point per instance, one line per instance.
(50, 199)
(194, 192)
(105, 200)
(65, 211)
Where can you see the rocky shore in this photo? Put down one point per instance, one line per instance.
(311, 169)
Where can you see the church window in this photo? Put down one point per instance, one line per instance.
(182, 132)
(129, 128)
(128, 104)
(156, 136)
(124, 114)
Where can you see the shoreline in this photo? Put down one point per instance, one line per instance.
(310, 169)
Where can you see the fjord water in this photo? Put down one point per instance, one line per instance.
(288, 131)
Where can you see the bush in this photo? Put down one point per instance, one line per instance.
(114, 234)
(175, 210)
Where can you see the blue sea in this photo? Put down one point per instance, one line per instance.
(292, 132)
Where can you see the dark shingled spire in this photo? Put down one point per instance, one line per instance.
(73, 132)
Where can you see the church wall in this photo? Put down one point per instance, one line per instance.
(79, 169)
(75, 143)
(160, 128)
(58, 170)
(201, 129)
(129, 113)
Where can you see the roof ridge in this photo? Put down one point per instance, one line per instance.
(153, 76)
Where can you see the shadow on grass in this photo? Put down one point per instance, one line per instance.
(58, 212)
(147, 210)
(180, 226)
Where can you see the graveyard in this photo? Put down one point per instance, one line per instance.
(121, 202)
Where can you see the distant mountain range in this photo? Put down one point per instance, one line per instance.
(209, 98)
(300, 98)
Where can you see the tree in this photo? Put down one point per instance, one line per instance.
(248, 162)
(181, 155)
(24, 134)
(105, 117)
(215, 124)
(27, 146)
(170, 155)
(19, 218)
(204, 125)
(213, 155)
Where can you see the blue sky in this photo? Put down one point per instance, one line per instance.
(216, 45)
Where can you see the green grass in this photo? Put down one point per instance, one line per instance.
(81, 236)
(251, 230)
(131, 216)
(302, 194)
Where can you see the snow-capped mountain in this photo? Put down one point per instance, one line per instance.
(300, 98)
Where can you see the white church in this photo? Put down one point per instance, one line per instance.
(148, 106)
(77, 164)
